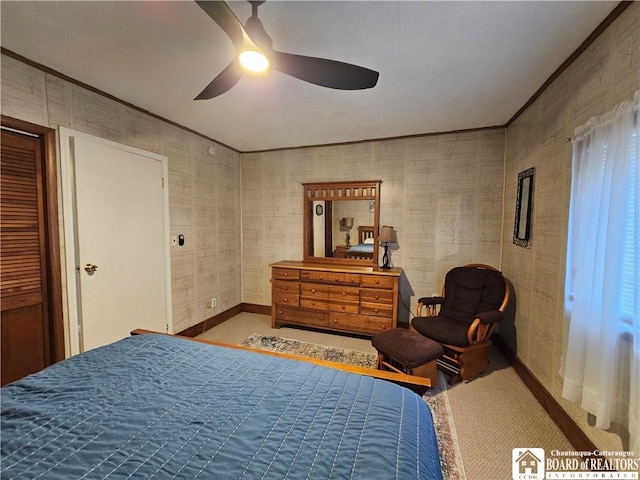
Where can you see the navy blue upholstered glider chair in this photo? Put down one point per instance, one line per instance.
(473, 300)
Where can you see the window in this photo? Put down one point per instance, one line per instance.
(628, 296)
(602, 290)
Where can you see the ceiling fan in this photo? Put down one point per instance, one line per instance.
(252, 42)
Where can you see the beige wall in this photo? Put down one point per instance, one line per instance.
(607, 73)
(204, 190)
(443, 195)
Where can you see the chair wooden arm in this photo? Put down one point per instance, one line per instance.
(430, 303)
(480, 332)
(492, 316)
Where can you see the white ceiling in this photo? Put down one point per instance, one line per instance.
(444, 65)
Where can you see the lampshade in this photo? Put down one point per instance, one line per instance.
(387, 235)
(347, 221)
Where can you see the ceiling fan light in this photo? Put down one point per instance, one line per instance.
(254, 61)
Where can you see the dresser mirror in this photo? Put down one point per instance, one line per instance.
(341, 222)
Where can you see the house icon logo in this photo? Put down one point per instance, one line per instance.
(527, 463)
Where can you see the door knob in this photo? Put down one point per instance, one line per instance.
(90, 268)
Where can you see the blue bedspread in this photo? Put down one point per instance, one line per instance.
(153, 406)
(362, 248)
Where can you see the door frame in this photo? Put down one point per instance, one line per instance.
(53, 269)
(67, 136)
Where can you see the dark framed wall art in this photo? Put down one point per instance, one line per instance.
(524, 204)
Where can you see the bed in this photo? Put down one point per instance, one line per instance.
(363, 249)
(157, 406)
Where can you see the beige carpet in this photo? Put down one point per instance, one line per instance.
(496, 413)
(493, 414)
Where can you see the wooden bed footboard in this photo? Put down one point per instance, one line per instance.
(417, 384)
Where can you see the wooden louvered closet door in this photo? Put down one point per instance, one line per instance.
(25, 326)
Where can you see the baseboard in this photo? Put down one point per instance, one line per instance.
(211, 322)
(561, 418)
(255, 308)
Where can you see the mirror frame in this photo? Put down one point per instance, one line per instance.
(339, 191)
(524, 203)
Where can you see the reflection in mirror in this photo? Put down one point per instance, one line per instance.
(522, 226)
(343, 212)
(341, 222)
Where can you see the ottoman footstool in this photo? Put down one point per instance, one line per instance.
(405, 351)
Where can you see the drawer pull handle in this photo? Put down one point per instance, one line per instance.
(344, 294)
(313, 290)
(376, 310)
(279, 312)
(335, 320)
(286, 288)
(321, 317)
(343, 306)
(377, 297)
(286, 300)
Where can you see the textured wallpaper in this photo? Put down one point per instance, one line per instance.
(442, 194)
(204, 190)
(606, 74)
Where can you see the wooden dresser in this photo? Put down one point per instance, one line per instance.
(355, 299)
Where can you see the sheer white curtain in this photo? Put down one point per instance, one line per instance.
(602, 291)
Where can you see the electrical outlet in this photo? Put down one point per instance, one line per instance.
(214, 303)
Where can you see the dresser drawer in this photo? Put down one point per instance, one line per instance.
(359, 323)
(284, 298)
(376, 281)
(337, 305)
(315, 304)
(330, 277)
(314, 290)
(319, 319)
(371, 295)
(349, 294)
(292, 288)
(377, 309)
(286, 274)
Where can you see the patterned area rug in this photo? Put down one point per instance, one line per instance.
(436, 397)
(322, 352)
(450, 456)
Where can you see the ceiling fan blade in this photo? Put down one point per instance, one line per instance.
(324, 72)
(223, 82)
(226, 19)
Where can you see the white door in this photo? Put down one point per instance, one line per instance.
(120, 241)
